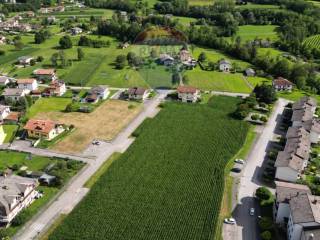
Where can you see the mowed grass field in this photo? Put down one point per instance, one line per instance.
(169, 184)
(250, 32)
(103, 123)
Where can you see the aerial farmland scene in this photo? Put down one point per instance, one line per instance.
(159, 120)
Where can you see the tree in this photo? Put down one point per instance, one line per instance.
(202, 57)
(40, 59)
(80, 54)
(153, 53)
(137, 61)
(263, 193)
(2, 52)
(18, 45)
(130, 58)
(32, 62)
(176, 78)
(39, 38)
(265, 93)
(65, 42)
(120, 61)
(54, 59)
(266, 235)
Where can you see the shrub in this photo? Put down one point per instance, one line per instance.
(265, 223)
(33, 62)
(255, 117)
(2, 52)
(266, 235)
(263, 119)
(40, 59)
(19, 219)
(263, 193)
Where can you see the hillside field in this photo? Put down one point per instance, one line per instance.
(313, 41)
(169, 183)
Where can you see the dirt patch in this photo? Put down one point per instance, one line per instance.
(104, 123)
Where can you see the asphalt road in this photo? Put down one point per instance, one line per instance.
(246, 228)
(74, 191)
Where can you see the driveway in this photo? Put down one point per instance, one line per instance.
(74, 191)
(246, 228)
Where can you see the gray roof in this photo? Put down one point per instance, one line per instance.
(13, 92)
(23, 58)
(305, 208)
(308, 232)
(302, 115)
(98, 89)
(297, 132)
(136, 91)
(13, 187)
(285, 191)
(3, 79)
(298, 146)
(312, 125)
(285, 159)
(223, 61)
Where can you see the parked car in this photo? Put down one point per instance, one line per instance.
(95, 143)
(252, 211)
(231, 221)
(236, 170)
(240, 161)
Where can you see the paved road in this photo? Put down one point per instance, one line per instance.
(246, 228)
(74, 191)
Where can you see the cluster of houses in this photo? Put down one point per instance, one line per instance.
(184, 57)
(295, 208)
(14, 25)
(46, 10)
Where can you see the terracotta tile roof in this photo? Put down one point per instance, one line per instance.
(13, 116)
(26, 81)
(44, 126)
(187, 89)
(282, 82)
(44, 71)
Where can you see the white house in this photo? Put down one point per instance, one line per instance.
(56, 88)
(166, 59)
(284, 192)
(97, 93)
(304, 217)
(250, 72)
(282, 84)
(30, 84)
(14, 94)
(225, 66)
(75, 30)
(4, 81)
(138, 93)
(25, 60)
(4, 112)
(16, 193)
(188, 93)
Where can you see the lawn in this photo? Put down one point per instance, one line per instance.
(46, 105)
(169, 183)
(258, 6)
(217, 81)
(200, 2)
(296, 95)
(258, 80)
(103, 123)
(250, 32)
(157, 76)
(10, 131)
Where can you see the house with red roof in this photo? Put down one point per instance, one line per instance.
(43, 129)
(282, 84)
(188, 93)
(45, 74)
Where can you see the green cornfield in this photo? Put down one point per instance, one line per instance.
(313, 42)
(169, 184)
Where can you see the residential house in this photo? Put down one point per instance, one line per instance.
(44, 129)
(4, 81)
(300, 116)
(45, 74)
(14, 94)
(75, 30)
(225, 66)
(47, 179)
(250, 72)
(29, 84)
(2, 40)
(16, 193)
(124, 45)
(12, 118)
(138, 93)
(51, 19)
(282, 84)
(97, 93)
(29, 14)
(123, 15)
(305, 102)
(56, 88)
(185, 56)
(4, 112)
(188, 93)
(313, 127)
(25, 60)
(284, 192)
(304, 217)
(166, 59)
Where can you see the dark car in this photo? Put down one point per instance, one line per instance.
(236, 170)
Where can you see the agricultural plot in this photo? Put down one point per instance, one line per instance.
(313, 42)
(200, 2)
(169, 184)
(218, 81)
(250, 32)
(258, 6)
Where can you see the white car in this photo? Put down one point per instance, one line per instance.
(252, 211)
(231, 221)
(240, 161)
